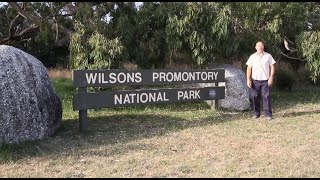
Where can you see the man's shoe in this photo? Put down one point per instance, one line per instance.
(269, 118)
(255, 117)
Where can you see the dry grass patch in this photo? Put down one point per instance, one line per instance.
(56, 73)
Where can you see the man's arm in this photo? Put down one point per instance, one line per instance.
(272, 70)
(249, 81)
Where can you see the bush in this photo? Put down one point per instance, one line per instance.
(284, 80)
(303, 77)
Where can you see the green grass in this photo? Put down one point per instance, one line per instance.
(176, 140)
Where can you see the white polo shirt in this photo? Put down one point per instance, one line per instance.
(260, 65)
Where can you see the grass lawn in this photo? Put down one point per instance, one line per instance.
(176, 140)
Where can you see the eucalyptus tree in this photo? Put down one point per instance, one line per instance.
(105, 34)
(290, 31)
(200, 29)
(217, 32)
(40, 27)
(308, 43)
(150, 23)
(92, 46)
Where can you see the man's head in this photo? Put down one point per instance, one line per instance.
(259, 47)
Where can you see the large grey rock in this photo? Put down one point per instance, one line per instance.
(29, 107)
(236, 89)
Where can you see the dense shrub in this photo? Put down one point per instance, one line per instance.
(284, 80)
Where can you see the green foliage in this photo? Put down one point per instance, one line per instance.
(214, 32)
(97, 53)
(44, 36)
(174, 27)
(123, 27)
(104, 52)
(90, 46)
(159, 32)
(150, 32)
(79, 50)
(309, 47)
(302, 77)
(200, 30)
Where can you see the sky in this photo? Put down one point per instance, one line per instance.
(2, 3)
(138, 4)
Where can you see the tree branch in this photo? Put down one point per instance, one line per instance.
(285, 37)
(291, 57)
(23, 13)
(71, 9)
(11, 26)
(63, 15)
(29, 30)
(56, 26)
(24, 5)
(24, 40)
(57, 30)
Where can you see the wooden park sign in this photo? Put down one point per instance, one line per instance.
(83, 100)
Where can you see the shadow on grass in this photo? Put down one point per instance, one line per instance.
(295, 114)
(104, 131)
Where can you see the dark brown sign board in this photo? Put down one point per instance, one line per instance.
(83, 100)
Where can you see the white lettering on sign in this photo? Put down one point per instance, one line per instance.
(183, 76)
(162, 76)
(112, 78)
(190, 94)
(140, 98)
(91, 79)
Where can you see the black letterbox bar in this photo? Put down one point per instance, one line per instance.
(94, 100)
(116, 77)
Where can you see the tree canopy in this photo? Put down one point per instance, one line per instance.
(92, 35)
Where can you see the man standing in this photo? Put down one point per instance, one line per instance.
(260, 73)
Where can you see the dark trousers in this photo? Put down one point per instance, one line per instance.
(261, 88)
